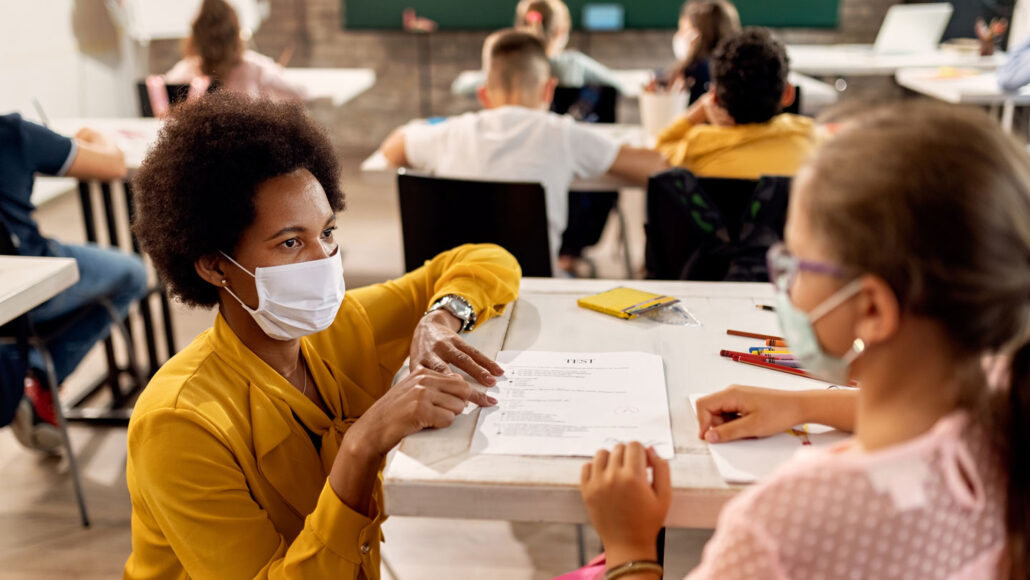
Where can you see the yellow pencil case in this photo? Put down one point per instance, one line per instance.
(624, 302)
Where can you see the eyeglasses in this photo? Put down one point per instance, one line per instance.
(784, 267)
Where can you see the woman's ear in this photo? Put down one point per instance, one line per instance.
(879, 314)
(210, 269)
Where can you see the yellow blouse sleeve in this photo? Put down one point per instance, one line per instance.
(196, 493)
(484, 274)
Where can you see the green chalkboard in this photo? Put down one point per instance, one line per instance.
(493, 14)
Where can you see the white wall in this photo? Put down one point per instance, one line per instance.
(66, 54)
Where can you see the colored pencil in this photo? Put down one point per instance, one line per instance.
(765, 307)
(745, 334)
(764, 360)
(782, 369)
(781, 343)
(764, 357)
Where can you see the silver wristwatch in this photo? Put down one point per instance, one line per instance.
(459, 307)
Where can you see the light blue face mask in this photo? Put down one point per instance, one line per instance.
(798, 331)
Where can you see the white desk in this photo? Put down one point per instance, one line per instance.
(816, 95)
(860, 60)
(340, 85)
(378, 171)
(133, 135)
(433, 473)
(28, 282)
(969, 88)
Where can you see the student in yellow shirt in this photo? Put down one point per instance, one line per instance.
(256, 452)
(737, 130)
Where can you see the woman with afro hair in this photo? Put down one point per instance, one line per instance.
(256, 452)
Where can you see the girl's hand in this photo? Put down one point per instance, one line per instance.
(739, 412)
(626, 509)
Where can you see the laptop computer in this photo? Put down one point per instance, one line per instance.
(913, 28)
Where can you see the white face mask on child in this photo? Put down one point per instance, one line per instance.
(296, 300)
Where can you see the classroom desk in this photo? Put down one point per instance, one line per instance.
(27, 282)
(133, 135)
(376, 170)
(970, 88)
(340, 85)
(829, 60)
(816, 95)
(433, 474)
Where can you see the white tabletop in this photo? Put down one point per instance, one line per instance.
(433, 473)
(377, 170)
(860, 60)
(959, 86)
(28, 282)
(338, 84)
(133, 135)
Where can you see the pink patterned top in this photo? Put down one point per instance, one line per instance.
(256, 76)
(932, 507)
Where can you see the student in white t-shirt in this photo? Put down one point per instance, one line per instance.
(516, 138)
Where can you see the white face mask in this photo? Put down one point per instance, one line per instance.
(681, 44)
(296, 300)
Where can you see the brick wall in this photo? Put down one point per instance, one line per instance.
(313, 27)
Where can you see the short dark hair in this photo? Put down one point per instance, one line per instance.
(194, 194)
(749, 71)
(515, 61)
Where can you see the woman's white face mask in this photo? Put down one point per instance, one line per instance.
(681, 43)
(296, 300)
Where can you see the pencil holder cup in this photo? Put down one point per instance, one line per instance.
(659, 110)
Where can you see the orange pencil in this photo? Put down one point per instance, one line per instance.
(776, 342)
(752, 335)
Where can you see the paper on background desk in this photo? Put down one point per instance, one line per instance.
(751, 460)
(574, 403)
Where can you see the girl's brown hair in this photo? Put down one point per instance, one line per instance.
(553, 16)
(935, 200)
(215, 38)
(713, 20)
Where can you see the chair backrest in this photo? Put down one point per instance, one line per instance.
(439, 214)
(588, 104)
(712, 229)
(7, 247)
(176, 94)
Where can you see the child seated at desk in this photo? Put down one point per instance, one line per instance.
(934, 483)
(703, 25)
(737, 130)
(216, 50)
(515, 138)
(25, 150)
(551, 20)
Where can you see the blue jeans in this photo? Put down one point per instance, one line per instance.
(103, 273)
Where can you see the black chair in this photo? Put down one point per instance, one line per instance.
(176, 94)
(587, 104)
(23, 333)
(712, 229)
(438, 214)
(589, 210)
(154, 309)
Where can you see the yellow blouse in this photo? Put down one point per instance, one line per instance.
(226, 482)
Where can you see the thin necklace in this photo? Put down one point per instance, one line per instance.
(303, 367)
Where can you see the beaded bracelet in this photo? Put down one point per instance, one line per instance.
(634, 567)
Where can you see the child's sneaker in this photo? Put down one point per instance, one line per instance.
(29, 426)
(41, 398)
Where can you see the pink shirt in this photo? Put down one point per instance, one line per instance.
(256, 75)
(932, 507)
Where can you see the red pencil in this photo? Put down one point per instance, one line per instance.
(766, 360)
(773, 367)
(752, 335)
